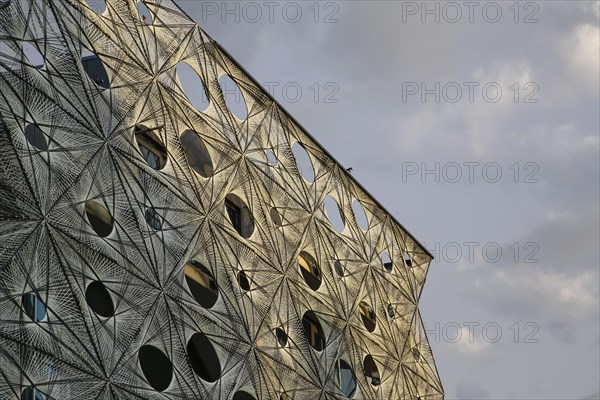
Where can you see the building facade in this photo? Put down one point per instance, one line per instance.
(161, 240)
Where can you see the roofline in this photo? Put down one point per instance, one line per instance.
(294, 120)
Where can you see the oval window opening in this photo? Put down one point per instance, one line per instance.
(239, 215)
(244, 281)
(387, 261)
(371, 371)
(303, 162)
(201, 283)
(99, 218)
(367, 315)
(156, 366)
(345, 378)
(34, 307)
(391, 312)
(98, 6)
(313, 331)
(360, 215)
(407, 260)
(31, 393)
(203, 358)
(334, 214)
(36, 137)
(151, 147)
(99, 300)
(271, 158)
(94, 68)
(338, 267)
(282, 337)
(144, 13)
(311, 272)
(197, 154)
(234, 99)
(192, 85)
(153, 218)
(33, 55)
(276, 216)
(241, 395)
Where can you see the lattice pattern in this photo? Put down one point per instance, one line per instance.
(150, 250)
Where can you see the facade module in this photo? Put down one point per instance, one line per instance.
(157, 247)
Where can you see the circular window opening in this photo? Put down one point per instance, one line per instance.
(407, 260)
(192, 86)
(338, 267)
(387, 261)
(154, 220)
(367, 315)
(33, 306)
(285, 396)
(345, 378)
(31, 393)
(201, 283)
(271, 158)
(360, 215)
(151, 147)
(234, 99)
(311, 272)
(156, 366)
(99, 218)
(197, 154)
(241, 395)
(99, 300)
(282, 337)
(33, 55)
(313, 330)
(371, 371)
(98, 6)
(36, 137)
(244, 281)
(94, 68)
(144, 13)
(303, 162)
(276, 216)
(334, 214)
(391, 312)
(239, 215)
(203, 358)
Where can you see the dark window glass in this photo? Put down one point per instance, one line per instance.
(201, 283)
(34, 308)
(313, 331)
(203, 358)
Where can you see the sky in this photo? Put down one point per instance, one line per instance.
(476, 124)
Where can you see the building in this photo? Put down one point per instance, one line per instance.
(159, 245)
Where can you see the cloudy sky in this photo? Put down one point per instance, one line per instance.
(473, 92)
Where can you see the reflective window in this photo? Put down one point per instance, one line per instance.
(241, 395)
(36, 137)
(310, 270)
(95, 69)
(313, 331)
(201, 283)
(197, 154)
(239, 215)
(203, 358)
(31, 393)
(151, 147)
(156, 366)
(99, 218)
(244, 281)
(371, 371)
(345, 378)
(282, 337)
(99, 300)
(34, 307)
(153, 218)
(367, 315)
